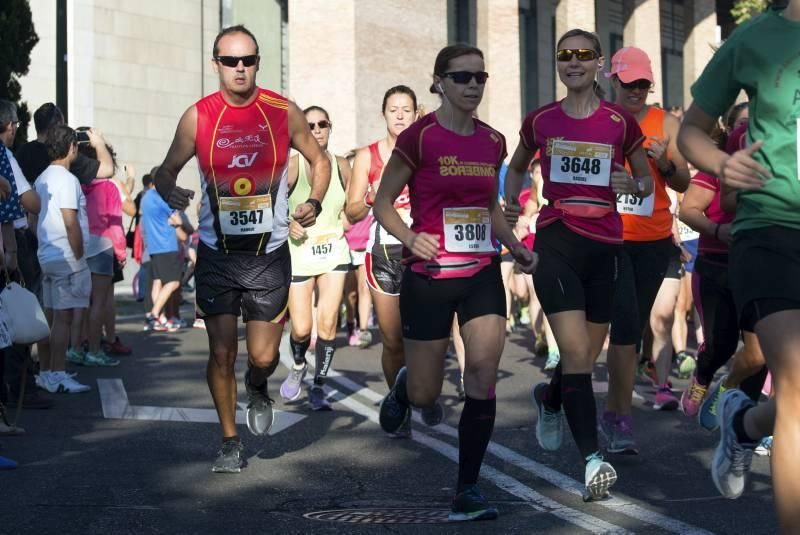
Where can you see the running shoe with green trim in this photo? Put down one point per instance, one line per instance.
(470, 504)
(686, 364)
(707, 417)
(549, 424)
(76, 356)
(731, 462)
(99, 359)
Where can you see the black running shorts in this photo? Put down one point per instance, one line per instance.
(764, 268)
(384, 274)
(675, 269)
(642, 267)
(341, 268)
(427, 305)
(166, 267)
(574, 273)
(257, 287)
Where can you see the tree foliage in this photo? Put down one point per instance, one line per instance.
(18, 39)
(744, 10)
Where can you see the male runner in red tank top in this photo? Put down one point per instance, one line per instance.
(241, 136)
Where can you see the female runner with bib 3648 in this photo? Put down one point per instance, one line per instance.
(450, 163)
(584, 142)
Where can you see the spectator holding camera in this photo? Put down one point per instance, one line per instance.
(63, 231)
(33, 157)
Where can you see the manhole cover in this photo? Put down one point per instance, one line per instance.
(383, 515)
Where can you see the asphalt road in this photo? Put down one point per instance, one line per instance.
(134, 466)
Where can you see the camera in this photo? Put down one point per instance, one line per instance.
(82, 134)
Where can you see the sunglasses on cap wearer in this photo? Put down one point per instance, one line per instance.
(464, 77)
(323, 124)
(642, 84)
(583, 54)
(233, 61)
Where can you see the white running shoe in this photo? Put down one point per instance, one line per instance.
(62, 382)
(600, 476)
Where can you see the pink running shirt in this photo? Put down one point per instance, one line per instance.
(454, 181)
(579, 157)
(708, 244)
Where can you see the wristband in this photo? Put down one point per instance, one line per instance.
(671, 170)
(316, 204)
(517, 246)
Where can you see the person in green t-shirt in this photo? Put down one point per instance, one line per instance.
(761, 58)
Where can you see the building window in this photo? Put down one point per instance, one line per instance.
(673, 35)
(528, 55)
(462, 21)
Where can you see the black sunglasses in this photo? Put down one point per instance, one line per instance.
(583, 54)
(323, 124)
(464, 77)
(642, 84)
(233, 61)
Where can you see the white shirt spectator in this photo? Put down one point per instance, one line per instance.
(58, 188)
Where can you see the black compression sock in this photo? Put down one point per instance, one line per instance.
(323, 354)
(738, 427)
(299, 350)
(709, 361)
(581, 412)
(752, 385)
(474, 432)
(233, 438)
(552, 396)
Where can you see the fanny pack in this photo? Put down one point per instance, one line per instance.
(587, 207)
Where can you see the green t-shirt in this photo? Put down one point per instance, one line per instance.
(762, 57)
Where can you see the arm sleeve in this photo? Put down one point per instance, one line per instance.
(407, 147)
(84, 168)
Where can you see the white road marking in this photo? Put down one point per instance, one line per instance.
(114, 401)
(562, 481)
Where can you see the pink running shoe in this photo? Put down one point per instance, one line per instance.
(353, 340)
(693, 397)
(665, 400)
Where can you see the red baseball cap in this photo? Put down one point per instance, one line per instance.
(631, 63)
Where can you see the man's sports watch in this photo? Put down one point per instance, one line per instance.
(316, 204)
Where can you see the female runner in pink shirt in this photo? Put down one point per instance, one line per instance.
(584, 142)
(450, 161)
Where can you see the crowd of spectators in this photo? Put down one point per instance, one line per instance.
(63, 238)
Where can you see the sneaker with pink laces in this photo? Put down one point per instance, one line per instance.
(665, 400)
(353, 340)
(693, 397)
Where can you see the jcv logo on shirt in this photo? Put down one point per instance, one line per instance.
(243, 160)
